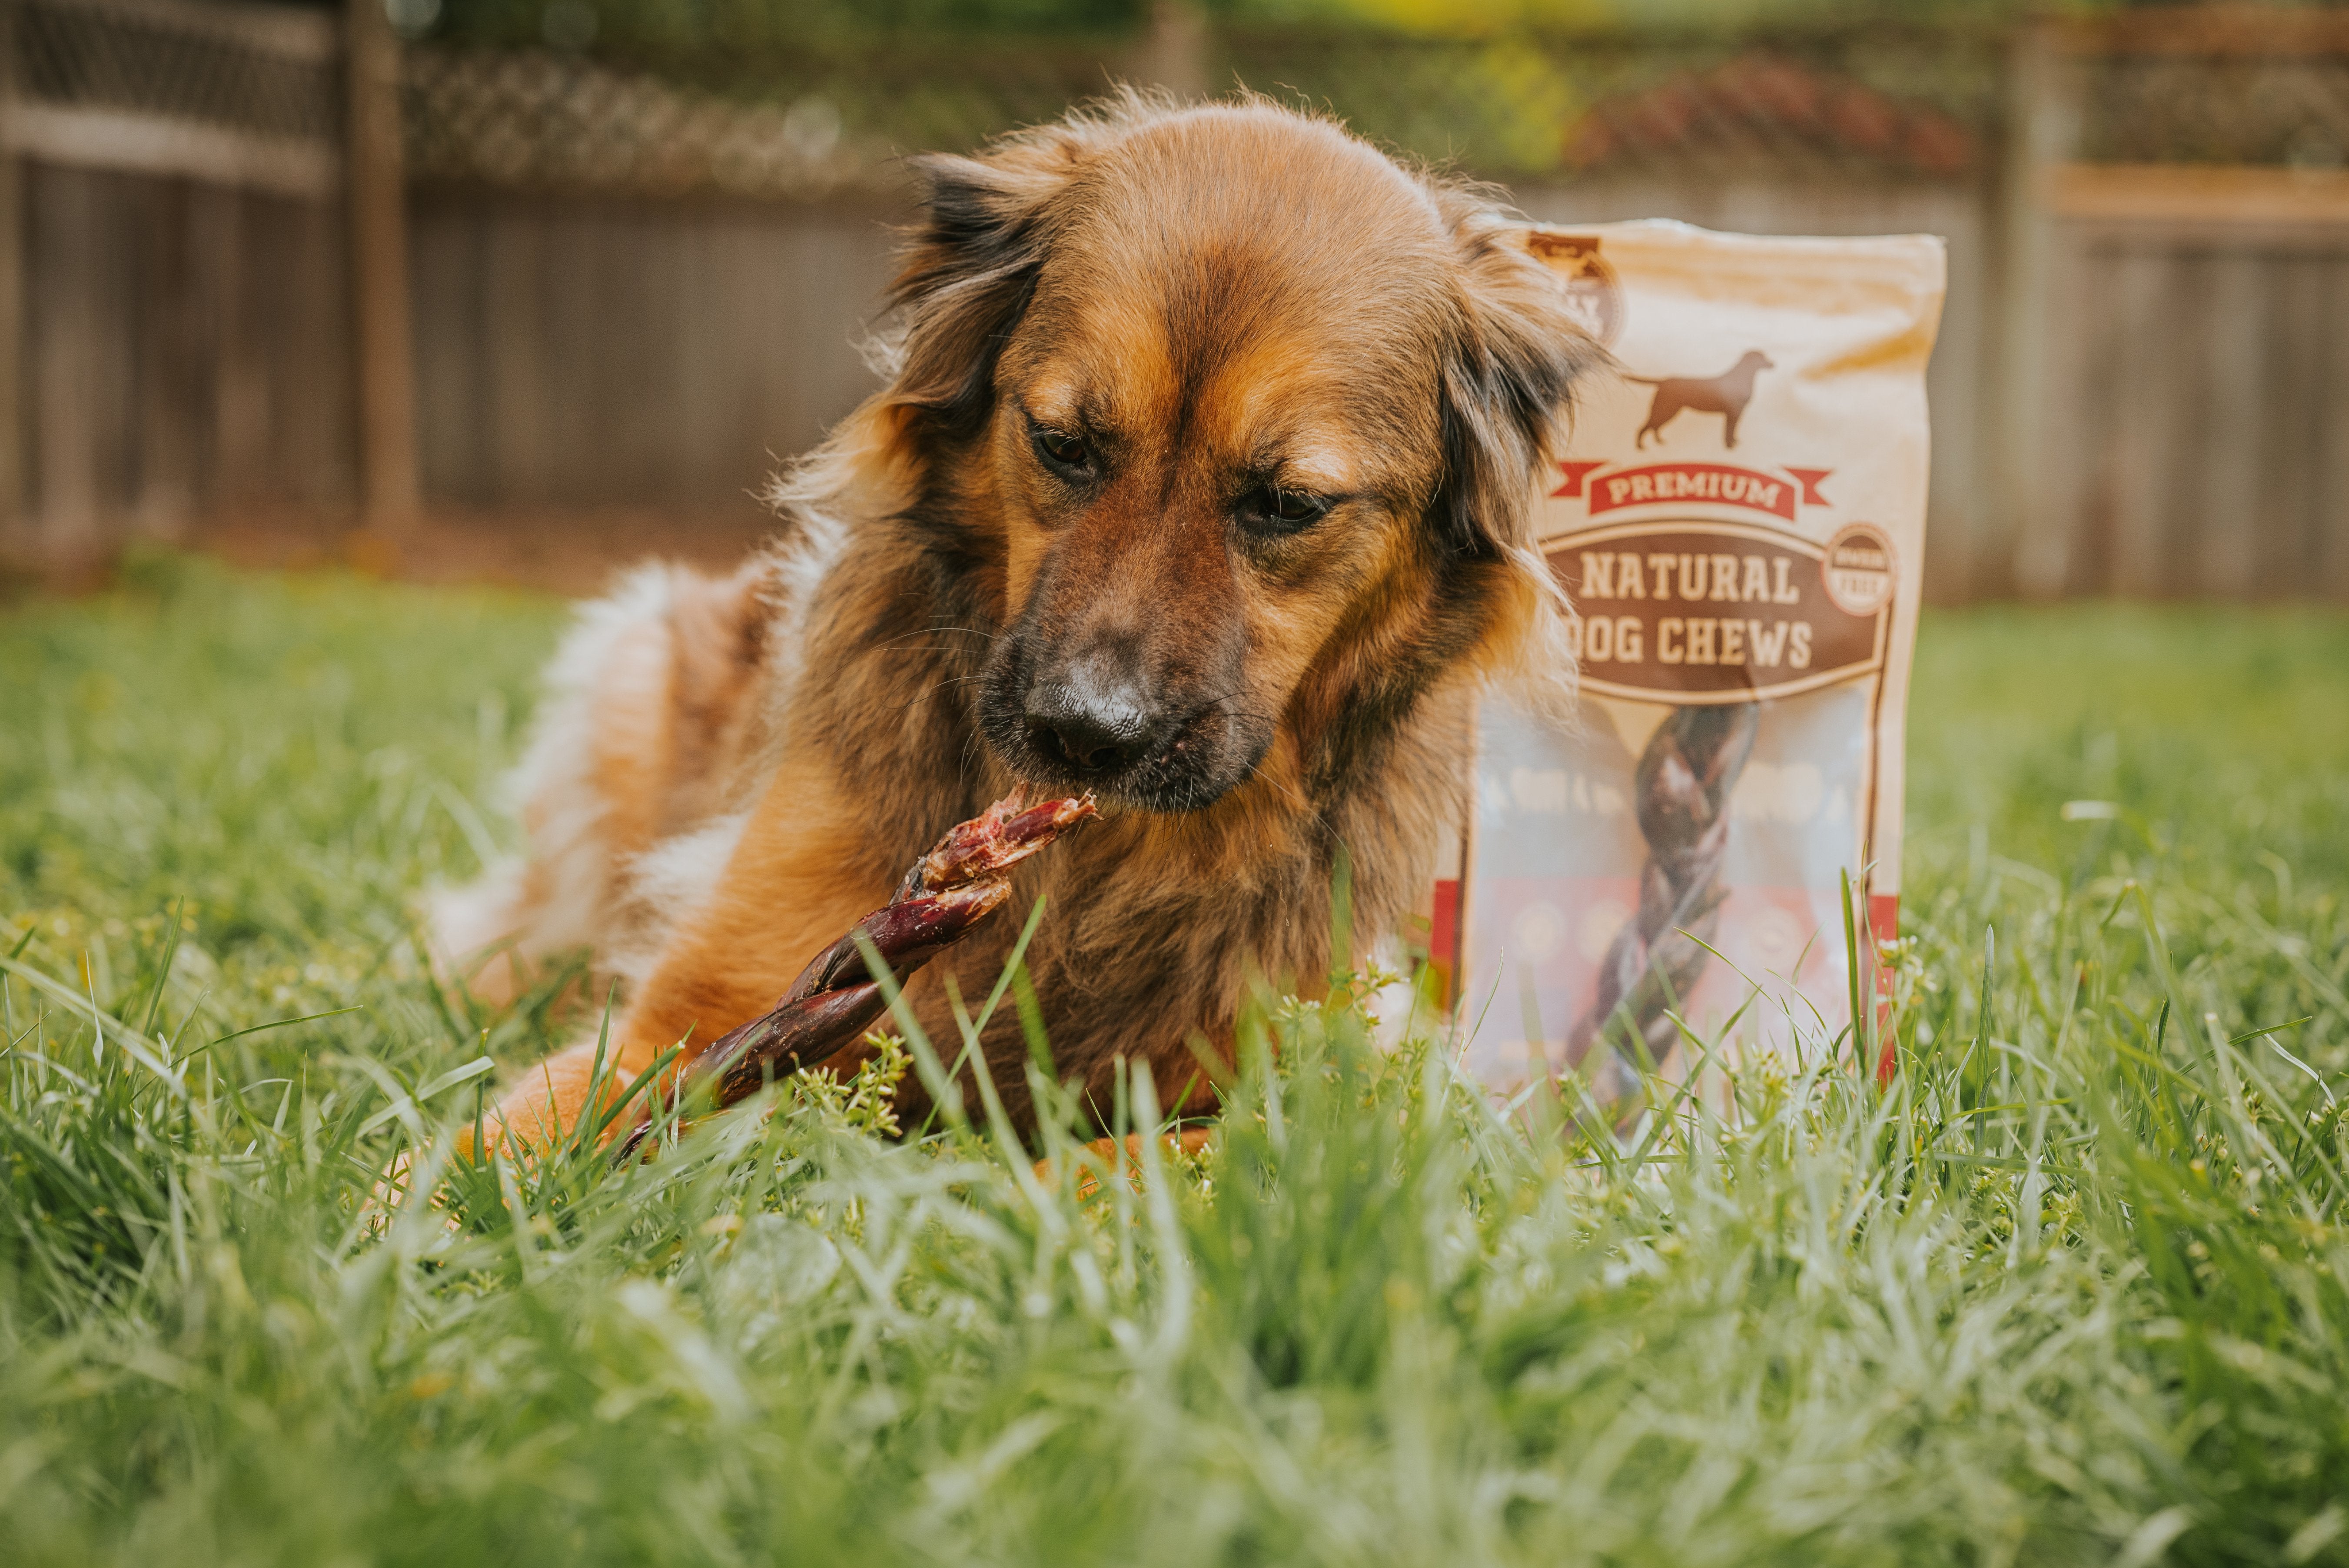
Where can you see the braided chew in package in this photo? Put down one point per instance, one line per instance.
(1739, 519)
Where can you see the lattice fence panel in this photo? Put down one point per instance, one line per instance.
(179, 63)
(544, 119)
(550, 121)
(2171, 109)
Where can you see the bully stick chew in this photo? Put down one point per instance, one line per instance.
(1683, 782)
(965, 878)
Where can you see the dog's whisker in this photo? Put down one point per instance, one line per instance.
(899, 642)
(934, 688)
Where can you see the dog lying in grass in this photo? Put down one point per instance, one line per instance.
(1201, 481)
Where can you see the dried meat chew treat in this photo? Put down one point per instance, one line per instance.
(965, 878)
(978, 853)
(1683, 783)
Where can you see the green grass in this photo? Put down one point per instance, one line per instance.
(2077, 1290)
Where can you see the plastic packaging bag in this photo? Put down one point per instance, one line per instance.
(1740, 521)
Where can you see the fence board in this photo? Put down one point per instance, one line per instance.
(2141, 427)
(312, 379)
(2056, 551)
(450, 442)
(240, 468)
(2084, 447)
(2234, 402)
(514, 395)
(2331, 519)
(169, 352)
(2282, 531)
(63, 245)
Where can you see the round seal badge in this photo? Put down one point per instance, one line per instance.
(1593, 292)
(1857, 568)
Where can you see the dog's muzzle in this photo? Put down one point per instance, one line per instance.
(1096, 721)
(1092, 719)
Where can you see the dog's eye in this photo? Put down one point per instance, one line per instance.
(1062, 450)
(1272, 509)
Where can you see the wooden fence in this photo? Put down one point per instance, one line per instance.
(188, 352)
(2142, 383)
(578, 351)
(173, 294)
(2197, 444)
(2170, 408)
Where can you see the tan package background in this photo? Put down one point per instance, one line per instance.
(1740, 521)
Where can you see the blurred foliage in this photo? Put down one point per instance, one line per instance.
(1637, 17)
(1494, 85)
(657, 31)
(672, 28)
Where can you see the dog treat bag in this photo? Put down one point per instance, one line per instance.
(1739, 520)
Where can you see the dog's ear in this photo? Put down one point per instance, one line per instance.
(1508, 381)
(970, 265)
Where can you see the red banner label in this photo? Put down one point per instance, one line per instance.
(1724, 484)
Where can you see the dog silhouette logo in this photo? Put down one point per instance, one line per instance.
(1725, 395)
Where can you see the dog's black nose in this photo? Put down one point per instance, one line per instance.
(1090, 719)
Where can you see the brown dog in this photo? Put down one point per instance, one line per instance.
(1203, 481)
(1726, 393)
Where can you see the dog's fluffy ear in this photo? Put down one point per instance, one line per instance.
(1508, 380)
(972, 263)
(1508, 389)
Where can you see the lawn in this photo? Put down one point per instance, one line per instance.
(2077, 1289)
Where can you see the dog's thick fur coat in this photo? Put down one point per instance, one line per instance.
(1212, 428)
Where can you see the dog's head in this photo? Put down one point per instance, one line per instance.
(1237, 421)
